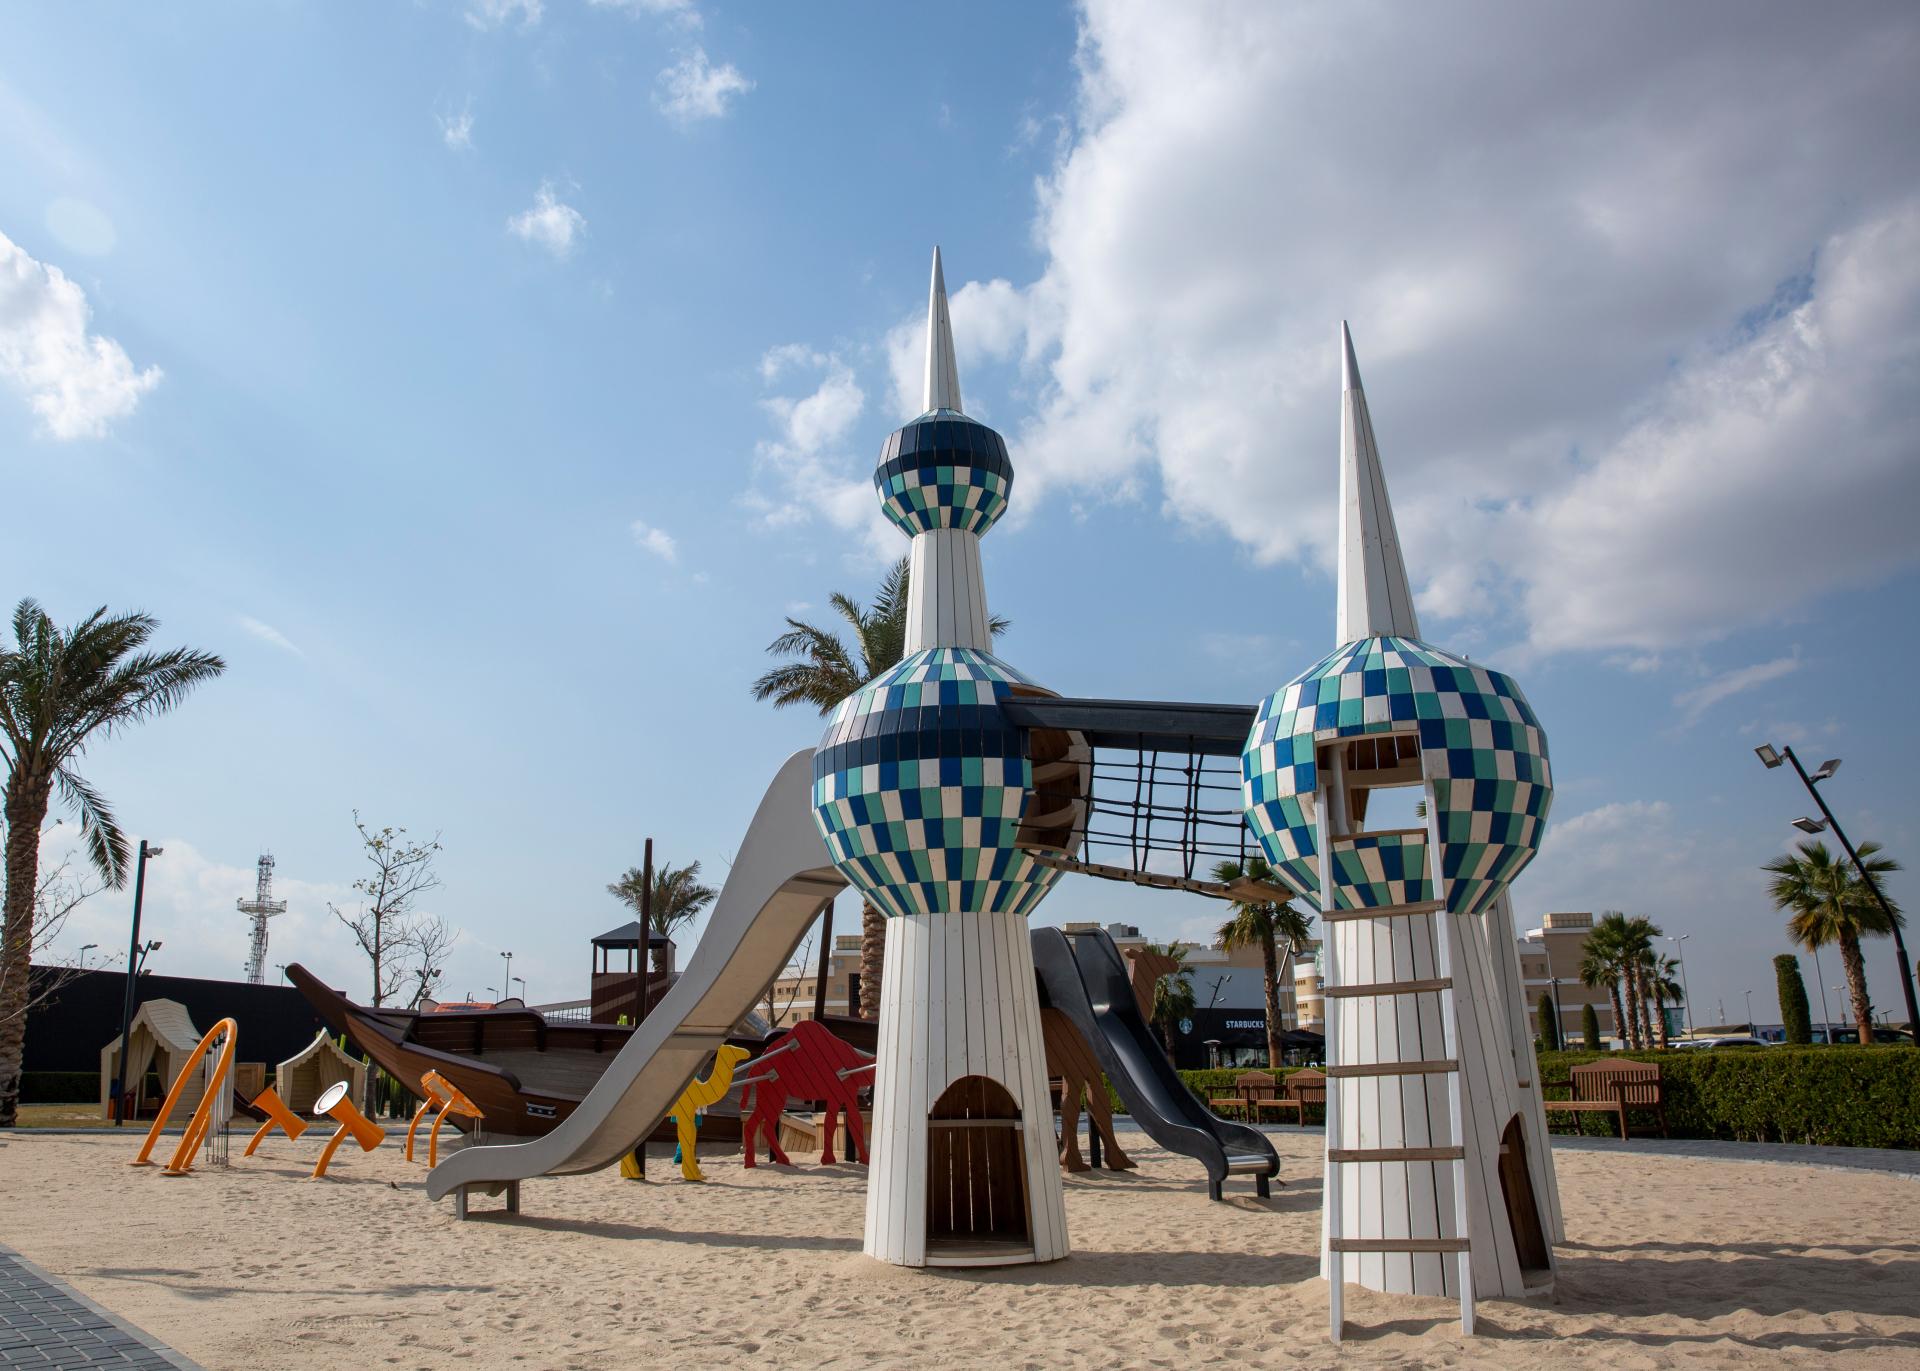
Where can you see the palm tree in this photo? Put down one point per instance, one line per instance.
(1636, 940)
(677, 897)
(1172, 993)
(59, 689)
(1831, 904)
(1263, 924)
(1662, 977)
(1600, 965)
(821, 671)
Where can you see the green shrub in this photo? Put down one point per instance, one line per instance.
(1589, 1028)
(1549, 1022)
(1840, 1096)
(60, 1087)
(1794, 1010)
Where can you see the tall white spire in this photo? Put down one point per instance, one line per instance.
(943, 375)
(1374, 596)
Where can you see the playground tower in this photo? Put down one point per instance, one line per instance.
(258, 910)
(1437, 1177)
(920, 785)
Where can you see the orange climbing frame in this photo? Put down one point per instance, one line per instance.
(449, 1099)
(197, 1125)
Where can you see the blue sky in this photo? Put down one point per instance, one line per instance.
(487, 382)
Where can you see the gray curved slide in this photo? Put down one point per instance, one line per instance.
(1083, 976)
(779, 882)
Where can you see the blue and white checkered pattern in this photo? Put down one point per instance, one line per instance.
(944, 470)
(919, 786)
(1480, 745)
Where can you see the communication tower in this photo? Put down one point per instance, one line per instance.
(259, 909)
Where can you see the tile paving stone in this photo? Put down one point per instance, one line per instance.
(47, 1324)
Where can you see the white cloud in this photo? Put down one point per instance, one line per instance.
(1639, 316)
(693, 88)
(491, 14)
(77, 382)
(655, 540)
(550, 223)
(457, 129)
(267, 633)
(1696, 702)
(817, 476)
(682, 12)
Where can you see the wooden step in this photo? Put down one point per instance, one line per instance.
(1382, 988)
(1433, 1068)
(1397, 1245)
(1396, 1154)
(1382, 911)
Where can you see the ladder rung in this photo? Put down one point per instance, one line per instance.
(1397, 1245)
(1396, 1154)
(1435, 1068)
(1382, 911)
(1355, 992)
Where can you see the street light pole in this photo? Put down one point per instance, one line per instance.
(1820, 979)
(1893, 920)
(1680, 956)
(1749, 1011)
(506, 977)
(1559, 1015)
(118, 1097)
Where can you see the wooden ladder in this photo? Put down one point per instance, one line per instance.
(1334, 990)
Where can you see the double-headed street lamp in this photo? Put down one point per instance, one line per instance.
(1771, 758)
(135, 955)
(1680, 959)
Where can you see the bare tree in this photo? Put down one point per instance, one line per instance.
(56, 895)
(432, 939)
(402, 947)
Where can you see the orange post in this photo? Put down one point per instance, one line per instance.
(335, 1104)
(278, 1116)
(452, 1099)
(196, 1125)
(431, 1101)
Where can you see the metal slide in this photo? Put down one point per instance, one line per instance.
(779, 882)
(1084, 977)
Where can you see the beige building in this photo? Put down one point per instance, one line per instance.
(1550, 957)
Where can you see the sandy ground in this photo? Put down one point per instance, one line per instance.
(1673, 1263)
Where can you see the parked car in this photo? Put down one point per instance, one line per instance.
(1737, 1040)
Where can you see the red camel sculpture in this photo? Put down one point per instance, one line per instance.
(806, 1062)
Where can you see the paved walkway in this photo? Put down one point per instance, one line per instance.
(48, 1325)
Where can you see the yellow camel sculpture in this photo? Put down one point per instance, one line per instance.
(698, 1096)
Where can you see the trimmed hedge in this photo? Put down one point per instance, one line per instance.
(60, 1087)
(1840, 1096)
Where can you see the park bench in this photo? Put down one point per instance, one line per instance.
(1304, 1089)
(1610, 1088)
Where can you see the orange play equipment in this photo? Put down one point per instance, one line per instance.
(278, 1116)
(335, 1104)
(448, 1097)
(182, 1159)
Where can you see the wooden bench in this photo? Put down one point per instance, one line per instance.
(1304, 1089)
(1245, 1090)
(1610, 1088)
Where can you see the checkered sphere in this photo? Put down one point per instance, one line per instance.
(1480, 745)
(919, 787)
(943, 470)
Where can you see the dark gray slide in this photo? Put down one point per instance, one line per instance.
(1084, 977)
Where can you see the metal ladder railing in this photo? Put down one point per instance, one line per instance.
(1334, 990)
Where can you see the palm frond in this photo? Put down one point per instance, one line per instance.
(107, 847)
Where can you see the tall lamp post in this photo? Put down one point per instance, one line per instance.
(523, 985)
(1559, 1015)
(85, 948)
(506, 977)
(1680, 956)
(1749, 1011)
(1772, 758)
(133, 973)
